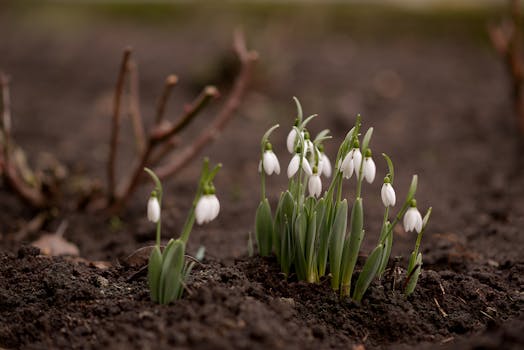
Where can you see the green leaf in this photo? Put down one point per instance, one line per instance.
(391, 169)
(154, 270)
(336, 245)
(172, 271)
(368, 273)
(414, 275)
(299, 243)
(365, 141)
(299, 109)
(412, 188)
(264, 228)
(386, 252)
(285, 208)
(352, 246)
(310, 255)
(286, 253)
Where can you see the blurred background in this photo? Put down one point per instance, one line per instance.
(423, 73)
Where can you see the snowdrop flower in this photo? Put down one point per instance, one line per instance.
(207, 208)
(294, 164)
(290, 141)
(351, 162)
(324, 165)
(388, 194)
(153, 208)
(315, 184)
(412, 218)
(270, 161)
(368, 168)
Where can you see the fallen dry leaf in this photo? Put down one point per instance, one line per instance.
(54, 244)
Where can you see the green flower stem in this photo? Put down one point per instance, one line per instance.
(395, 221)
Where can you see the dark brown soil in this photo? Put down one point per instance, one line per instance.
(438, 101)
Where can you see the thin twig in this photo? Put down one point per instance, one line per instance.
(248, 59)
(6, 116)
(506, 40)
(31, 195)
(162, 133)
(171, 81)
(167, 147)
(115, 127)
(134, 106)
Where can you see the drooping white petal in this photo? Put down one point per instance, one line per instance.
(202, 210)
(357, 159)
(214, 207)
(290, 141)
(270, 163)
(369, 169)
(153, 209)
(325, 165)
(412, 220)
(306, 167)
(309, 146)
(388, 195)
(292, 168)
(315, 185)
(347, 166)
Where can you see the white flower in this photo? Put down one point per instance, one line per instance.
(207, 209)
(413, 220)
(309, 146)
(290, 142)
(294, 164)
(369, 169)
(388, 195)
(270, 163)
(153, 209)
(351, 162)
(315, 185)
(324, 165)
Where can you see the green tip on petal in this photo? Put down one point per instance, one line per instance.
(413, 203)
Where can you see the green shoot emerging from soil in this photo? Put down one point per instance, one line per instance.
(308, 231)
(167, 269)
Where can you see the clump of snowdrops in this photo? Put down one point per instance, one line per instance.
(309, 231)
(167, 269)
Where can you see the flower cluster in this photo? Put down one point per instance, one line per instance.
(167, 269)
(307, 231)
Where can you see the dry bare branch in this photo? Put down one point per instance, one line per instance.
(115, 126)
(134, 107)
(247, 59)
(171, 81)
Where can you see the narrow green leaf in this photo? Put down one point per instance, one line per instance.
(310, 252)
(391, 169)
(336, 245)
(388, 242)
(366, 139)
(414, 275)
(172, 271)
(286, 253)
(412, 188)
(154, 269)
(285, 208)
(299, 243)
(352, 246)
(264, 228)
(369, 271)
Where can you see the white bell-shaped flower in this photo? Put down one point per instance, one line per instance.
(369, 169)
(413, 220)
(315, 185)
(270, 163)
(207, 208)
(294, 165)
(388, 194)
(153, 209)
(324, 165)
(351, 163)
(290, 141)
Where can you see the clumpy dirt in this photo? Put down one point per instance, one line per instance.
(438, 101)
(57, 303)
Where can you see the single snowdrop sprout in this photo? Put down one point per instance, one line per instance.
(168, 269)
(388, 193)
(412, 218)
(153, 208)
(315, 234)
